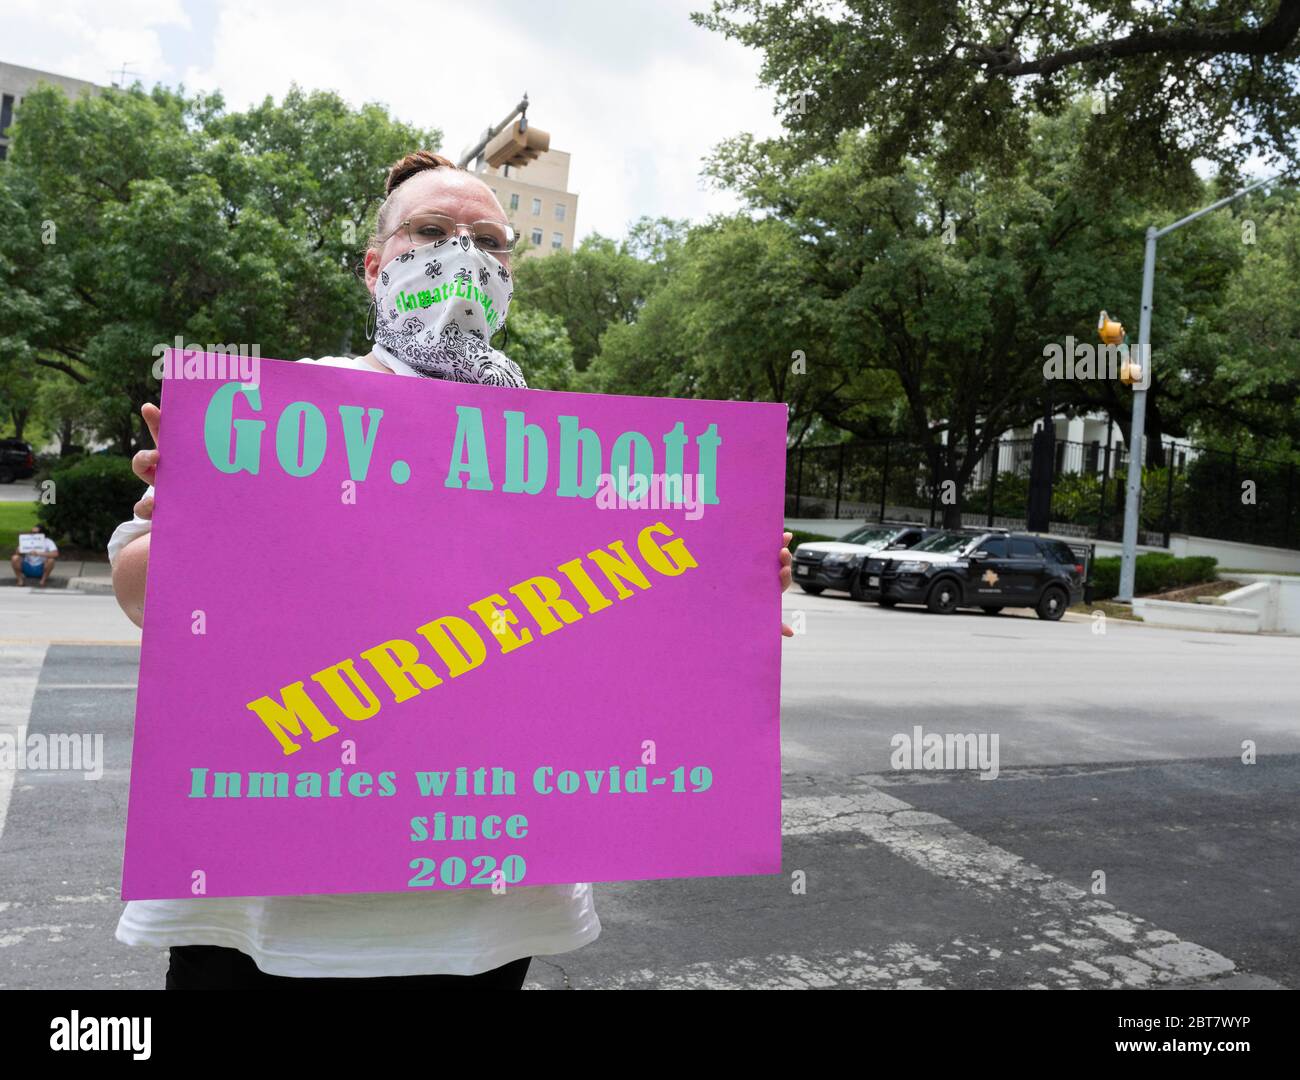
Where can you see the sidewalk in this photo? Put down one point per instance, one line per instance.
(87, 576)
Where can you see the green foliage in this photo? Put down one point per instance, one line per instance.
(913, 302)
(15, 517)
(1076, 498)
(131, 218)
(538, 343)
(89, 500)
(68, 411)
(602, 284)
(1153, 573)
(1240, 365)
(1172, 81)
(735, 319)
(924, 304)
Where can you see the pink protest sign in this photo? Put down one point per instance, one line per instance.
(413, 634)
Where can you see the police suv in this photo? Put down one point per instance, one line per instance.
(989, 570)
(833, 564)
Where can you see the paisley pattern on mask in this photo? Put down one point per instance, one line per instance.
(454, 355)
(446, 339)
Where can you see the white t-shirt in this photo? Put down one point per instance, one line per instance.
(360, 935)
(37, 558)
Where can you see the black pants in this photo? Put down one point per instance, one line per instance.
(211, 967)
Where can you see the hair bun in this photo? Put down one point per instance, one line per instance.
(416, 162)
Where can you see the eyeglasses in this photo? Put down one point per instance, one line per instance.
(491, 236)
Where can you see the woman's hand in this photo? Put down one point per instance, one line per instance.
(145, 463)
(787, 575)
(132, 564)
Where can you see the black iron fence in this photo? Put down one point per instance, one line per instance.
(1201, 492)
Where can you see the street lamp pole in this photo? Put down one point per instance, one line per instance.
(1133, 481)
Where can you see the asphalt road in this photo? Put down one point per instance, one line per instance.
(1119, 754)
(18, 491)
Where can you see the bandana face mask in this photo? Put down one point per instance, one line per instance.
(437, 307)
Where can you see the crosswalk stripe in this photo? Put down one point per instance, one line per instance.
(20, 670)
(1085, 928)
(1078, 940)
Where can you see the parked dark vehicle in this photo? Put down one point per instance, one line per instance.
(986, 570)
(866, 582)
(17, 462)
(833, 564)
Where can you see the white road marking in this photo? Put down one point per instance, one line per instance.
(1078, 940)
(1089, 929)
(20, 670)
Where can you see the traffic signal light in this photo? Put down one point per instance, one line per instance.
(517, 145)
(1112, 333)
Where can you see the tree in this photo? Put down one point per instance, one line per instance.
(953, 287)
(602, 284)
(1239, 361)
(538, 343)
(740, 317)
(18, 389)
(132, 218)
(1171, 81)
(69, 411)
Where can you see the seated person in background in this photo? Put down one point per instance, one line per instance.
(34, 558)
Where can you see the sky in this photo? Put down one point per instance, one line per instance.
(636, 93)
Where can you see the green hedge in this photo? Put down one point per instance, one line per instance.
(91, 497)
(1154, 573)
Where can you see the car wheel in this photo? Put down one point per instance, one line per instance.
(6, 477)
(855, 588)
(1052, 604)
(943, 597)
(812, 590)
(995, 610)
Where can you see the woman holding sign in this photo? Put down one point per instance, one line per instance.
(435, 215)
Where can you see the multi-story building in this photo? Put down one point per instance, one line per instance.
(16, 81)
(537, 201)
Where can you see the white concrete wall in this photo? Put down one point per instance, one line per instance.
(1274, 597)
(1238, 556)
(1197, 616)
(1265, 602)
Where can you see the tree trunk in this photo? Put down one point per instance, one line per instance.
(949, 485)
(1155, 431)
(1155, 449)
(126, 441)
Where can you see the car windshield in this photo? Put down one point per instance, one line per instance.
(944, 542)
(868, 536)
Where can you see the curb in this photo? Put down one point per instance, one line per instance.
(93, 586)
